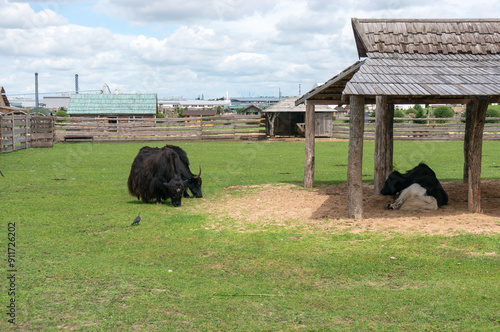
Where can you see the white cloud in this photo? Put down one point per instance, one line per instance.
(193, 47)
(21, 16)
(167, 11)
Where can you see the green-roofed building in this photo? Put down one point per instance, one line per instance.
(123, 105)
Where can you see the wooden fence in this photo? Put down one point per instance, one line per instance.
(19, 130)
(78, 129)
(420, 129)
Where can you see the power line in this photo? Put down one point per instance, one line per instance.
(45, 93)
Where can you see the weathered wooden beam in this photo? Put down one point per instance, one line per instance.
(478, 108)
(384, 142)
(389, 133)
(380, 143)
(309, 148)
(467, 140)
(355, 158)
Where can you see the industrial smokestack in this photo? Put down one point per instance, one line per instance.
(36, 90)
(76, 83)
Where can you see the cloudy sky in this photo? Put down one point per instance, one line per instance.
(193, 48)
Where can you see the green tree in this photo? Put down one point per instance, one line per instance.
(420, 112)
(62, 112)
(443, 112)
(493, 111)
(398, 114)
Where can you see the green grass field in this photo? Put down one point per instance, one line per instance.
(80, 266)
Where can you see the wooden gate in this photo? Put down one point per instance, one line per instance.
(42, 131)
(14, 131)
(19, 130)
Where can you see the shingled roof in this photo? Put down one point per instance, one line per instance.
(3, 98)
(113, 104)
(428, 59)
(428, 36)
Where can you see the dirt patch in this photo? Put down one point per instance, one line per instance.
(324, 209)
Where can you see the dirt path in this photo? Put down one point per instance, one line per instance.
(325, 209)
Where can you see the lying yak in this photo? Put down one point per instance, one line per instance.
(155, 174)
(417, 189)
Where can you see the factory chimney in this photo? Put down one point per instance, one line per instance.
(36, 90)
(76, 83)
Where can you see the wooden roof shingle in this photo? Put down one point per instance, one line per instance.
(427, 36)
(113, 104)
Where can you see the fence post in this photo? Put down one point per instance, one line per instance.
(13, 131)
(27, 130)
(1, 134)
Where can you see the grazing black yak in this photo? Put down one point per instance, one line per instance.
(155, 175)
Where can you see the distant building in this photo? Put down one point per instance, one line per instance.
(199, 113)
(22, 102)
(286, 119)
(5, 105)
(124, 105)
(252, 110)
(262, 102)
(56, 102)
(192, 104)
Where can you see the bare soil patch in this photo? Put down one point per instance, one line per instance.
(324, 209)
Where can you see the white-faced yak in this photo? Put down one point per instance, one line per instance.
(417, 189)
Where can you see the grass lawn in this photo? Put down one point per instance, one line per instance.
(80, 266)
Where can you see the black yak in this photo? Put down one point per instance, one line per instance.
(155, 175)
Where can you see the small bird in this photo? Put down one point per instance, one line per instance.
(1, 174)
(136, 220)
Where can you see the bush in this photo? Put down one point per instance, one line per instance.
(39, 111)
(409, 111)
(420, 113)
(62, 112)
(443, 112)
(398, 114)
(160, 115)
(419, 108)
(493, 111)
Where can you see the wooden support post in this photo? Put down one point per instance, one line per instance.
(380, 144)
(355, 158)
(478, 109)
(309, 153)
(389, 138)
(467, 139)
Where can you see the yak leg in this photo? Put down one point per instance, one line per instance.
(414, 198)
(408, 193)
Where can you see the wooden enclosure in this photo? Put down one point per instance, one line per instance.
(78, 129)
(19, 130)
(432, 129)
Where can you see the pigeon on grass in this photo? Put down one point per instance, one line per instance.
(136, 220)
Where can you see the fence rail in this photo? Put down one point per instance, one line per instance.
(124, 129)
(430, 129)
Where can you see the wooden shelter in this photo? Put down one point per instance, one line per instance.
(408, 61)
(287, 119)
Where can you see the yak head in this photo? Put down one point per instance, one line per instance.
(175, 189)
(194, 184)
(394, 184)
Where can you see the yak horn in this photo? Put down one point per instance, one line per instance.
(199, 174)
